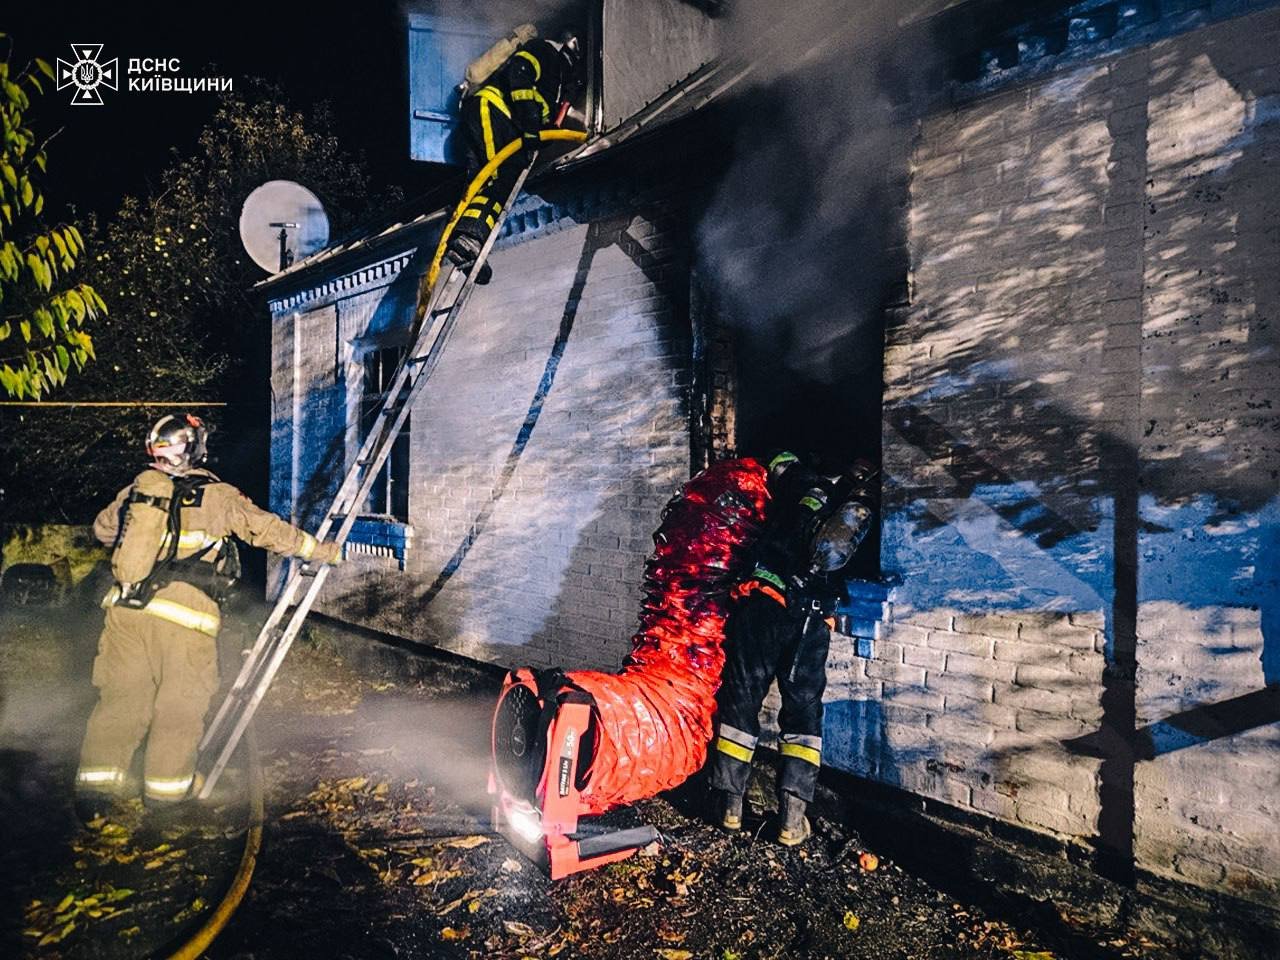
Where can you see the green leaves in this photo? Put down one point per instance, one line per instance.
(41, 330)
(54, 342)
(21, 160)
(9, 262)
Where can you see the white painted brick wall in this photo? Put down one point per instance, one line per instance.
(553, 576)
(1094, 255)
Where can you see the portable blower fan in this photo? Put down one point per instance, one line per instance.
(569, 747)
(543, 743)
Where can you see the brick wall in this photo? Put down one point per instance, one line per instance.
(1079, 441)
(543, 448)
(1081, 444)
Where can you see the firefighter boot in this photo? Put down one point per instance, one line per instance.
(155, 806)
(730, 810)
(92, 806)
(165, 819)
(793, 828)
(463, 251)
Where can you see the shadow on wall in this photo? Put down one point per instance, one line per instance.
(486, 593)
(599, 236)
(1017, 459)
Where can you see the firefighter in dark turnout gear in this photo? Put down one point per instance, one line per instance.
(779, 629)
(157, 663)
(518, 100)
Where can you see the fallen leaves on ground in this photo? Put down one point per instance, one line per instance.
(363, 806)
(168, 857)
(198, 905)
(51, 923)
(467, 843)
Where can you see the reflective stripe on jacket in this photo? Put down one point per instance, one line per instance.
(202, 621)
(136, 525)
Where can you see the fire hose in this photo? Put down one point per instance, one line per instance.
(477, 184)
(209, 930)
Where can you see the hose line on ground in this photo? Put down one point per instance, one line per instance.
(213, 926)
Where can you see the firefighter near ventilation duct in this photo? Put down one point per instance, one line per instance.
(570, 746)
(174, 562)
(779, 628)
(517, 90)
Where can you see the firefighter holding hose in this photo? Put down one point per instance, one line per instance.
(780, 628)
(515, 90)
(173, 561)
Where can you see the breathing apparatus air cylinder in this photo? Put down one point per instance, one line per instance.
(484, 66)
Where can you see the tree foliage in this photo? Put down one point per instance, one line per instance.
(185, 324)
(42, 311)
(180, 283)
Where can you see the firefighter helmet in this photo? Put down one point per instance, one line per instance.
(178, 442)
(779, 463)
(572, 65)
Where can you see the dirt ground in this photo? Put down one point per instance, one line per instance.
(378, 846)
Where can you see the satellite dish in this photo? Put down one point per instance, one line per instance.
(280, 222)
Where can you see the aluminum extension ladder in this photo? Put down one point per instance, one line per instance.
(435, 324)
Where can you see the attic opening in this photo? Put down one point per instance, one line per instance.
(444, 40)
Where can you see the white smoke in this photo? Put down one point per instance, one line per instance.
(798, 230)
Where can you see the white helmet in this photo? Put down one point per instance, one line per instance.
(177, 442)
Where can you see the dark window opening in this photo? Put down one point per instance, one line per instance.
(389, 496)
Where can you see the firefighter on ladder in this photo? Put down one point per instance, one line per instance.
(510, 95)
(157, 664)
(779, 628)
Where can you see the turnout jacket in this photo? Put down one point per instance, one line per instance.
(528, 86)
(798, 501)
(136, 525)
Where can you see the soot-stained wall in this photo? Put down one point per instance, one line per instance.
(1081, 451)
(543, 448)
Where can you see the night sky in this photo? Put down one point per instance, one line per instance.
(350, 54)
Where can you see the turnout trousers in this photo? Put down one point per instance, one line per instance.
(763, 642)
(154, 680)
(488, 126)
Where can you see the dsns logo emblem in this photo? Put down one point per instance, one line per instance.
(87, 74)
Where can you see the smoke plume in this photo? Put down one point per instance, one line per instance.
(803, 234)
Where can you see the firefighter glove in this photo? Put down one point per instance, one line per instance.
(328, 551)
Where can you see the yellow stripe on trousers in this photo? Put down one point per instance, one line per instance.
(168, 786)
(801, 752)
(738, 752)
